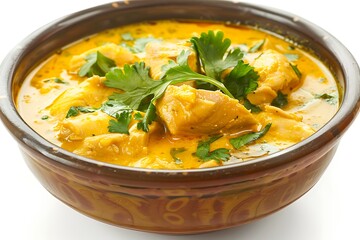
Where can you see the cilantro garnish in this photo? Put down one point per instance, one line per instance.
(249, 106)
(292, 57)
(74, 111)
(96, 64)
(280, 101)
(121, 124)
(203, 151)
(174, 152)
(296, 70)
(257, 46)
(213, 53)
(127, 36)
(328, 98)
(248, 138)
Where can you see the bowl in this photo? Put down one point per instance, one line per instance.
(179, 201)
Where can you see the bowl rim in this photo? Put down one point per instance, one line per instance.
(329, 134)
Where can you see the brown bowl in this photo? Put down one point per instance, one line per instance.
(179, 201)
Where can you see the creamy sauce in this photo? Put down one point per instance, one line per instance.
(311, 104)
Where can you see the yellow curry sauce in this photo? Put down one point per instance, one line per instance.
(186, 115)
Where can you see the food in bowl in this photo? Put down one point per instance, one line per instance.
(178, 201)
(179, 95)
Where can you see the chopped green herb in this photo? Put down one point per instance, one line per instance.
(55, 80)
(292, 57)
(257, 46)
(241, 80)
(291, 47)
(203, 151)
(121, 125)
(96, 64)
(296, 70)
(280, 100)
(74, 111)
(174, 152)
(213, 53)
(127, 37)
(45, 117)
(249, 138)
(328, 98)
(140, 43)
(253, 108)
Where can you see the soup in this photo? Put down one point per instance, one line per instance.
(178, 95)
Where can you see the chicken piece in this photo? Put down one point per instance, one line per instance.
(276, 74)
(90, 92)
(158, 54)
(286, 128)
(119, 54)
(84, 125)
(115, 144)
(186, 110)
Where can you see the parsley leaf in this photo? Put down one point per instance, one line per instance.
(74, 111)
(296, 70)
(248, 138)
(280, 101)
(121, 125)
(203, 151)
(174, 152)
(249, 106)
(96, 64)
(241, 80)
(213, 53)
(328, 98)
(257, 46)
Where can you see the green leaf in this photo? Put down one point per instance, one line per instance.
(96, 64)
(127, 36)
(296, 70)
(149, 117)
(241, 80)
(212, 50)
(248, 138)
(249, 106)
(292, 57)
(112, 108)
(44, 117)
(280, 101)
(257, 46)
(74, 111)
(203, 151)
(174, 152)
(121, 124)
(328, 98)
(140, 43)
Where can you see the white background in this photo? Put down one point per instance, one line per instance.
(329, 211)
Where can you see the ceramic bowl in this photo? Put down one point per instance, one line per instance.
(179, 201)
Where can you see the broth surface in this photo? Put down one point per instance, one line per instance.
(187, 117)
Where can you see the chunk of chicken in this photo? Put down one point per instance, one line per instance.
(90, 92)
(119, 54)
(286, 128)
(158, 54)
(276, 74)
(84, 125)
(186, 110)
(115, 144)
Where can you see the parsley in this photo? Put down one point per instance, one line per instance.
(213, 53)
(96, 64)
(127, 37)
(74, 111)
(248, 138)
(296, 70)
(121, 125)
(174, 152)
(241, 80)
(249, 106)
(203, 151)
(292, 57)
(257, 46)
(44, 117)
(328, 98)
(280, 101)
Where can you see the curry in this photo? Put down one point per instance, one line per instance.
(178, 95)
